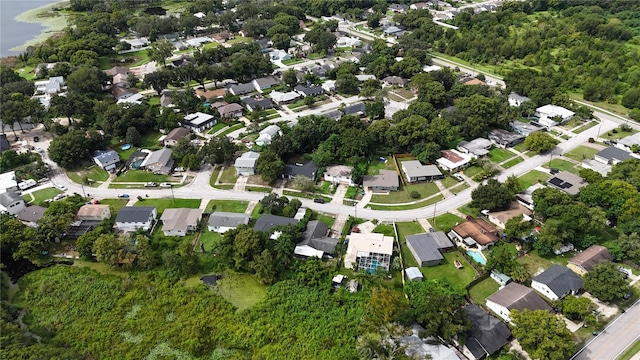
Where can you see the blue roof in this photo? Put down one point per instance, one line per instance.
(106, 157)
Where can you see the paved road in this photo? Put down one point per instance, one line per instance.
(614, 340)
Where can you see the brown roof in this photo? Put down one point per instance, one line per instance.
(177, 134)
(478, 229)
(451, 156)
(117, 70)
(118, 91)
(31, 214)
(230, 108)
(219, 104)
(91, 210)
(591, 256)
(518, 297)
(221, 36)
(475, 82)
(515, 209)
(211, 94)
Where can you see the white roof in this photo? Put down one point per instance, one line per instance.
(278, 96)
(198, 41)
(554, 110)
(450, 164)
(271, 130)
(362, 244)
(630, 140)
(247, 159)
(431, 68)
(133, 99)
(338, 278)
(365, 77)
(199, 15)
(198, 118)
(329, 85)
(413, 273)
(8, 180)
(308, 251)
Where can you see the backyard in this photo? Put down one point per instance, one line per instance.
(39, 196)
(234, 206)
(481, 291)
(375, 165)
(534, 262)
(499, 155)
(445, 222)
(148, 141)
(241, 290)
(209, 239)
(140, 176)
(532, 177)
(401, 196)
(581, 153)
(162, 204)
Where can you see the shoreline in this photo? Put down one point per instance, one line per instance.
(53, 22)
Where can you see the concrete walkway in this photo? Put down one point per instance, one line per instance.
(443, 190)
(240, 184)
(338, 196)
(365, 199)
(425, 224)
(250, 207)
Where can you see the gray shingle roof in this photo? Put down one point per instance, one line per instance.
(162, 157)
(424, 247)
(591, 256)
(487, 335)
(31, 214)
(518, 297)
(9, 197)
(613, 153)
(106, 157)
(134, 214)
(560, 279)
(267, 221)
(227, 219)
(308, 169)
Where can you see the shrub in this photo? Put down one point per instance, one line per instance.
(415, 195)
(592, 140)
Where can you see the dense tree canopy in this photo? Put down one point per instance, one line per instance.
(542, 334)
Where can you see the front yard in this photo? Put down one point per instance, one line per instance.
(403, 196)
(499, 155)
(140, 176)
(162, 204)
(562, 165)
(41, 195)
(445, 222)
(229, 175)
(235, 206)
(533, 177)
(115, 205)
(581, 153)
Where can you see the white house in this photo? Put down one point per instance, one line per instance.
(107, 160)
(516, 100)
(198, 121)
(629, 142)
(557, 282)
(11, 202)
(369, 251)
(339, 174)
(552, 115)
(515, 297)
(52, 86)
(132, 218)
(221, 222)
(329, 86)
(246, 164)
(453, 160)
(267, 134)
(346, 41)
(8, 181)
(181, 221)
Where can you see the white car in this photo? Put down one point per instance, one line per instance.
(165, 185)
(62, 188)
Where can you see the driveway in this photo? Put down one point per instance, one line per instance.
(338, 196)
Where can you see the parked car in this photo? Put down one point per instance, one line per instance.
(151, 184)
(165, 185)
(179, 169)
(62, 188)
(319, 200)
(627, 296)
(554, 171)
(458, 177)
(124, 196)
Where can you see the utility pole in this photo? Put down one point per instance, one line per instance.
(173, 199)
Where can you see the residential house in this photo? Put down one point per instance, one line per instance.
(93, 212)
(387, 180)
(453, 160)
(395, 81)
(11, 203)
(180, 221)
(504, 139)
(264, 44)
(254, 104)
(175, 135)
(232, 110)
(413, 274)
(416, 172)
(267, 222)
(430, 68)
(118, 70)
(247, 163)
(222, 222)
(282, 98)
(137, 43)
(588, 258)
(365, 77)
(134, 98)
(200, 15)
(416, 347)
(500, 278)
(475, 233)
(279, 55)
(515, 209)
(420, 6)
(398, 8)
(265, 83)
(629, 143)
(525, 129)
(51, 86)
(121, 93)
(333, 114)
(315, 242)
(165, 98)
(477, 147)
(474, 81)
(515, 297)
(612, 155)
(525, 198)
(346, 41)
(552, 115)
(121, 80)
(329, 86)
(368, 252)
(199, 121)
(107, 159)
(242, 89)
(8, 181)
(307, 169)
(557, 282)
(210, 95)
(267, 134)
(221, 37)
(427, 248)
(487, 334)
(567, 182)
(305, 90)
(30, 215)
(132, 218)
(517, 100)
(338, 174)
(159, 161)
(198, 41)
(355, 109)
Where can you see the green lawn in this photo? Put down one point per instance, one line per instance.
(581, 153)
(562, 165)
(305, 195)
(292, 61)
(480, 291)
(449, 181)
(376, 165)
(94, 174)
(231, 129)
(240, 39)
(532, 178)
(448, 271)
(41, 195)
(352, 192)
(499, 155)
(217, 127)
(162, 204)
(417, 205)
(208, 239)
(214, 176)
(534, 262)
(408, 228)
(631, 352)
(456, 189)
(256, 212)
(472, 171)
(616, 135)
(229, 175)
(242, 290)
(468, 210)
(327, 219)
(115, 205)
(445, 222)
(211, 45)
(521, 147)
(402, 196)
(235, 206)
(140, 176)
(149, 141)
(585, 127)
(512, 162)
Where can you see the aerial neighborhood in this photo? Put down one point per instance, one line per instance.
(323, 180)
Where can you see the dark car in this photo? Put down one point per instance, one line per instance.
(319, 200)
(627, 296)
(554, 171)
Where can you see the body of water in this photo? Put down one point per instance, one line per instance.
(15, 33)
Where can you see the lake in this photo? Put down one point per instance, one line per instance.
(15, 33)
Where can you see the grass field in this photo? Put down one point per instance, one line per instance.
(480, 291)
(162, 204)
(512, 162)
(305, 195)
(468, 210)
(417, 205)
(447, 271)
(327, 219)
(235, 206)
(585, 127)
(115, 205)
(229, 175)
(209, 239)
(532, 178)
(616, 135)
(499, 155)
(94, 173)
(562, 165)
(41, 195)
(456, 189)
(534, 262)
(149, 141)
(140, 176)
(217, 127)
(256, 212)
(581, 153)
(472, 171)
(242, 290)
(376, 165)
(521, 147)
(449, 181)
(445, 222)
(408, 228)
(401, 196)
(214, 176)
(231, 129)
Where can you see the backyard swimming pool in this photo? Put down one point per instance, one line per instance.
(477, 257)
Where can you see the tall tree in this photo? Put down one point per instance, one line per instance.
(542, 335)
(606, 282)
(160, 51)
